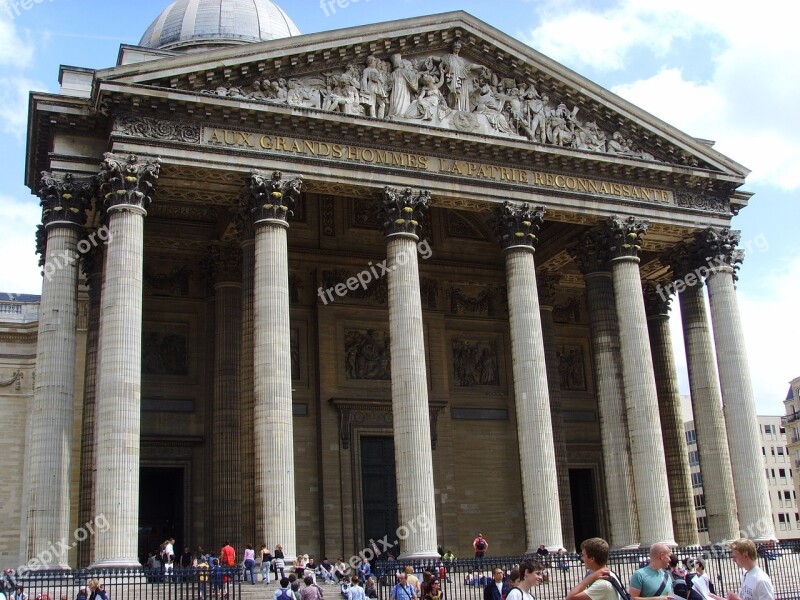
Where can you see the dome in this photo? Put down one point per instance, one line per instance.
(202, 24)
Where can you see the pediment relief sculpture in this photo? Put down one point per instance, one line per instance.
(442, 90)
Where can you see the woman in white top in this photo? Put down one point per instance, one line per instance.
(701, 582)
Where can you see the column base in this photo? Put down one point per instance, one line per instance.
(422, 555)
(116, 563)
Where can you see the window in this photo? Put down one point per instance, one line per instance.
(694, 457)
(769, 429)
(700, 501)
(783, 430)
(773, 473)
(702, 524)
(697, 479)
(780, 450)
(772, 449)
(691, 436)
(782, 473)
(763, 451)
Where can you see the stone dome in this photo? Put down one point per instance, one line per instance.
(194, 25)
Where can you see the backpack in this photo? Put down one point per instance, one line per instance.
(617, 584)
(481, 545)
(286, 594)
(691, 593)
(680, 588)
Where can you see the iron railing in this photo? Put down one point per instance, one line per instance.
(465, 579)
(216, 583)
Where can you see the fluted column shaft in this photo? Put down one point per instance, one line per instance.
(226, 453)
(51, 415)
(534, 424)
(272, 368)
(752, 500)
(246, 393)
(557, 416)
(681, 499)
(118, 401)
(410, 413)
(709, 423)
(641, 400)
(94, 269)
(617, 465)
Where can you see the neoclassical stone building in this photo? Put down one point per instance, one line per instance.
(406, 274)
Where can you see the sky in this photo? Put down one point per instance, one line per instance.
(722, 70)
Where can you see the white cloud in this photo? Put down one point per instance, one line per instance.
(20, 272)
(13, 50)
(14, 93)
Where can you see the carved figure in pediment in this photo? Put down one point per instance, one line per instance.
(279, 92)
(430, 105)
(514, 102)
(537, 108)
(373, 88)
(258, 92)
(588, 136)
(299, 94)
(491, 108)
(405, 83)
(459, 78)
(560, 125)
(343, 97)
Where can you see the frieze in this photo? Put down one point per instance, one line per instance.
(158, 129)
(475, 363)
(571, 368)
(328, 216)
(568, 311)
(15, 380)
(705, 202)
(349, 153)
(367, 354)
(174, 283)
(443, 90)
(165, 353)
(459, 227)
(378, 292)
(484, 303)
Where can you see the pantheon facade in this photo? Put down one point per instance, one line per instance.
(408, 281)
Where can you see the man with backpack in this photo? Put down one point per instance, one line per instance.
(480, 545)
(598, 585)
(284, 592)
(653, 580)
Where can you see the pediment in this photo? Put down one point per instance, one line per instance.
(448, 72)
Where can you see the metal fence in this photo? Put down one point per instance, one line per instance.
(216, 583)
(465, 579)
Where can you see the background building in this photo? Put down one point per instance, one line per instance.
(791, 423)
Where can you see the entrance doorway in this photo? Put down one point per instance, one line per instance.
(379, 491)
(584, 505)
(161, 504)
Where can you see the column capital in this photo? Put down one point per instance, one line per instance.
(683, 258)
(590, 252)
(226, 263)
(657, 298)
(128, 183)
(272, 200)
(624, 236)
(517, 226)
(400, 213)
(717, 248)
(64, 202)
(546, 282)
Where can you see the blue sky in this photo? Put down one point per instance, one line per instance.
(720, 70)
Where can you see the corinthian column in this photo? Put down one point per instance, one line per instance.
(718, 251)
(272, 202)
(226, 444)
(591, 254)
(517, 227)
(127, 186)
(400, 214)
(681, 499)
(709, 423)
(641, 397)
(49, 449)
(546, 282)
